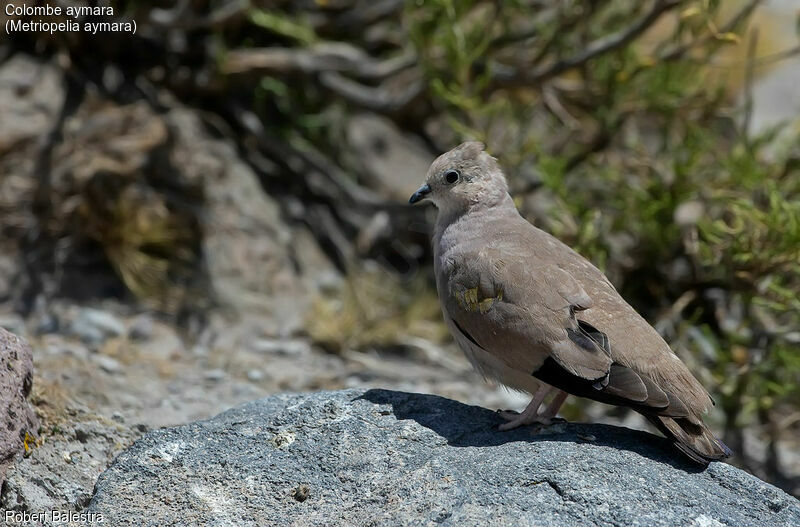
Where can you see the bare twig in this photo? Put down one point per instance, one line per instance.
(180, 16)
(329, 56)
(553, 104)
(378, 99)
(600, 140)
(546, 16)
(510, 77)
(330, 182)
(367, 15)
(748, 85)
(763, 60)
(729, 26)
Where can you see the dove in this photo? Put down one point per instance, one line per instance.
(534, 315)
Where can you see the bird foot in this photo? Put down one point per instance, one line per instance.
(516, 419)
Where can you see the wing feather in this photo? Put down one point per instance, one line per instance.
(524, 315)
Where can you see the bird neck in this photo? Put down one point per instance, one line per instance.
(471, 219)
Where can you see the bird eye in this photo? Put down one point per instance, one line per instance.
(451, 176)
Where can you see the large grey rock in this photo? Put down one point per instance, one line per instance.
(18, 423)
(392, 163)
(392, 458)
(31, 95)
(252, 255)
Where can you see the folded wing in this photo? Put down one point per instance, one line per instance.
(531, 320)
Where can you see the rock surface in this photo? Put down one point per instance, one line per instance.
(31, 94)
(393, 458)
(59, 474)
(17, 420)
(392, 163)
(258, 265)
(90, 413)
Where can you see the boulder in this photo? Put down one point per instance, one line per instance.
(18, 423)
(259, 266)
(392, 163)
(391, 458)
(32, 93)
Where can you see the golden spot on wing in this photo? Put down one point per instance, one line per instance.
(470, 301)
(485, 305)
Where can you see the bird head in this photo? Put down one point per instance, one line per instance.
(463, 178)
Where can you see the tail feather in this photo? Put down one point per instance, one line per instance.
(696, 441)
(666, 408)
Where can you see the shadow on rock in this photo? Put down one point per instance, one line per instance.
(472, 426)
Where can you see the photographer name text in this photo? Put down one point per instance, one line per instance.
(54, 516)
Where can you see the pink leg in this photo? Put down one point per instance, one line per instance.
(528, 416)
(552, 408)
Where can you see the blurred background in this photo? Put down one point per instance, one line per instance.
(215, 208)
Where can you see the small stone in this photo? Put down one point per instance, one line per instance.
(214, 375)
(94, 326)
(141, 328)
(107, 364)
(301, 493)
(281, 346)
(707, 521)
(689, 213)
(282, 439)
(48, 323)
(56, 345)
(88, 335)
(255, 375)
(328, 281)
(83, 433)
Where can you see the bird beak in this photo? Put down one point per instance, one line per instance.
(421, 193)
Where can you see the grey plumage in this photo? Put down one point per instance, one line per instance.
(531, 313)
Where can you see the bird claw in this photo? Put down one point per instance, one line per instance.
(508, 415)
(516, 419)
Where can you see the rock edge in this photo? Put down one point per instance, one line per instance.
(379, 457)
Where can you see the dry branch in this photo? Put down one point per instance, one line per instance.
(507, 77)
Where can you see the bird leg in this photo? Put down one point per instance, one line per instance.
(530, 414)
(555, 405)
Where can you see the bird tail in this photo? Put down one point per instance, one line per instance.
(694, 440)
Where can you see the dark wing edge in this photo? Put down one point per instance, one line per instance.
(466, 334)
(584, 353)
(622, 386)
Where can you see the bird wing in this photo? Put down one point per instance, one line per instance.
(522, 315)
(527, 313)
(634, 343)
